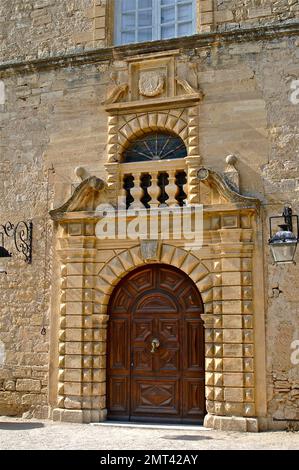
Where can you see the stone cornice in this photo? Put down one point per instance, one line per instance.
(125, 52)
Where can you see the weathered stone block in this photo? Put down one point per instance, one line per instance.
(232, 321)
(234, 394)
(72, 388)
(231, 293)
(232, 335)
(28, 385)
(232, 364)
(232, 350)
(233, 380)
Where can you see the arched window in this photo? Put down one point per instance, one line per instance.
(150, 20)
(155, 146)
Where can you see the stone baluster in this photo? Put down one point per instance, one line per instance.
(154, 190)
(137, 193)
(172, 189)
(122, 201)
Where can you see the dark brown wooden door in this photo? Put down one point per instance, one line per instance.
(156, 348)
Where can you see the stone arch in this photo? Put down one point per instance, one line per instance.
(140, 124)
(146, 138)
(160, 301)
(127, 260)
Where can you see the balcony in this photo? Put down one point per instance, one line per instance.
(154, 184)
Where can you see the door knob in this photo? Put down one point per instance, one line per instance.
(155, 345)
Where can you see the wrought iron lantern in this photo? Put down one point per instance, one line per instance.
(284, 242)
(21, 235)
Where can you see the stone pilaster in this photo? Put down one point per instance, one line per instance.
(193, 164)
(230, 384)
(82, 335)
(113, 181)
(193, 160)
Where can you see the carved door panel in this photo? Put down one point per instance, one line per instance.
(156, 348)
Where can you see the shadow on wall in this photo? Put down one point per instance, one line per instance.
(251, 182)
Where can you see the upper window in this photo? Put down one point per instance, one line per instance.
(149, 20)
(155, 146)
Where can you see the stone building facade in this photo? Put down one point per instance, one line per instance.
(71, 104)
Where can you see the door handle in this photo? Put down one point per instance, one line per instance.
(155, 344)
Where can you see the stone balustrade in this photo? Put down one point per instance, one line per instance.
(154, 184)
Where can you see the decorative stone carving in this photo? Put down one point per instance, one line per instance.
(86, 196)
(82, 173)
(115, 93)
(202, 174)
(188, 88)
(210, 177)
(151, 83)
(231, 173)
(150, 250)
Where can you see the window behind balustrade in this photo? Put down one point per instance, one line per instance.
(156, 148)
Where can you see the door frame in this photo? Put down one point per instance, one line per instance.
(183, 350)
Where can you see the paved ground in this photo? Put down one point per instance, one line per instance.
(34, 434)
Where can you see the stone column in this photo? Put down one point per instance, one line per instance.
(82, 335)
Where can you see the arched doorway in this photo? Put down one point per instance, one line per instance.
(155, 359)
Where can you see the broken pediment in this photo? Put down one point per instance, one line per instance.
(215, 189)
(86, 197)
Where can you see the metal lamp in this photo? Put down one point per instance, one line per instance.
(283, 243)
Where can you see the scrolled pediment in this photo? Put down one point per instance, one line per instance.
(86, 197)
(217, 182)
(94, 191)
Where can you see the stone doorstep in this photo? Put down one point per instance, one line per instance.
(232, 423)
(175, 427)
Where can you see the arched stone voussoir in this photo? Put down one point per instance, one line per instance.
(207, 296)
(200, 272)
(137, 256)
(102, 285)
(179, 257)
(116, 268)
(121, 264)
(205, 284)
(108, 274)
(167, 253)
(149, 122)
(189, 263)
(127, 260)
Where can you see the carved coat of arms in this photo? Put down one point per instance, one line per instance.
(151, 83)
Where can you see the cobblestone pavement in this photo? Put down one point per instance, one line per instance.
(40, 434)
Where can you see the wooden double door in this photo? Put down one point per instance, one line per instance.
(155, 358)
